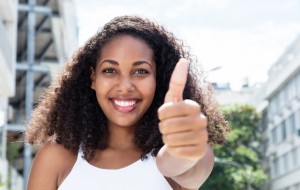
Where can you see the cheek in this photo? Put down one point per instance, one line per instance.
(149, 88)
(103, 87)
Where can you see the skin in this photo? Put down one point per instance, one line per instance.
(186, 157)
(126, 73)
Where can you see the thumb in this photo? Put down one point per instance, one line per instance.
(177, 81)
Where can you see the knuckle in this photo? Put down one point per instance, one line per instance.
(160, 113)
(203, 117)
(204, 136)
(191, 102)
(165, 140)
(163, 110)
(201, 136)
(192, 106)
(161, 127)
(202, 120)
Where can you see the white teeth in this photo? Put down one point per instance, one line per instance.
(124, 103)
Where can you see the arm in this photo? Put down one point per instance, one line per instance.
(186, 157)
(49, 167)
(189, 174)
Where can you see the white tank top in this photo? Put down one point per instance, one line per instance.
(140, 175)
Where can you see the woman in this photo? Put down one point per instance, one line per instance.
(115, 118)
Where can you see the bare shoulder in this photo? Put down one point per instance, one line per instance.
(55, 151)
(51, 165)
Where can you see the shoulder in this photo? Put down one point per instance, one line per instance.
(52, 162)
(54, 148)
(56, 153)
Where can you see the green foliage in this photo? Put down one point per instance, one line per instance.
(12, 151)
(238, 161)
(1, 181)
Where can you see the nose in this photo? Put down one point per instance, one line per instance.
(125, 84)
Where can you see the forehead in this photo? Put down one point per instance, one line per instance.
(126, 46)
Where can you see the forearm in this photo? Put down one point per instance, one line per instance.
(190, 174)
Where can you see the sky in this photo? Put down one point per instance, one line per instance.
(243, 38)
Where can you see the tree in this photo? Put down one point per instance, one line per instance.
(238, 162)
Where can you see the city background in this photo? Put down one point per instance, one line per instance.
(250, 52)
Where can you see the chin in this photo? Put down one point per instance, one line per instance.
(124, 123)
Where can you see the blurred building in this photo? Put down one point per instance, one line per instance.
(8, 33)
(36, 38)
(278, 100)
(281, 121)
(228, 97)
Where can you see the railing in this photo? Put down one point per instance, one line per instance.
(5, 46)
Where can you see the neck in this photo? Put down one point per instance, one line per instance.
(121, 138)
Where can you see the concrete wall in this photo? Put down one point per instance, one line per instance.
(8, 32)
(282, 91)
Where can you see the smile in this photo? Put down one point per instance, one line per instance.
(124, 105)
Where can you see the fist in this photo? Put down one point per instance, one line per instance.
(182, 124)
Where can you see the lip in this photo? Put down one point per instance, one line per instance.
(124, 105)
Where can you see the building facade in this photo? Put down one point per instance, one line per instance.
(8, 33)
(281, 121)
(36, 38)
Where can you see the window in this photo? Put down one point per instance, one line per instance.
(281, 98)
(273, 107)
(283, 131)
(265, 145)
(298, 154)
(275, 101)
(297, 120)
(292, 120)
(276, 167)
(274, 135)
(298, 85)
(2, 154)
(286, 163)
(293, 89)
(291, 125)
(295, 157)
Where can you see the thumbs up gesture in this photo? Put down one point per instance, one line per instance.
(182, 124)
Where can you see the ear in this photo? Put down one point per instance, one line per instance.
(92, 77)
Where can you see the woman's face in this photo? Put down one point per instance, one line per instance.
(125, 80)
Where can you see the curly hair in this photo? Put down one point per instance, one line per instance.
(69, 114)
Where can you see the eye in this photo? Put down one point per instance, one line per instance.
(108, 70)
(141, 71)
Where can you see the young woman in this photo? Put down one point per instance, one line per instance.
(126, 113)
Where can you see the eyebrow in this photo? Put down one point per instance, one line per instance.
(136, 63)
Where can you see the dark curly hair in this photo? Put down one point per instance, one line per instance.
(69, 114)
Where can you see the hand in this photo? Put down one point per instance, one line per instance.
(182, 124)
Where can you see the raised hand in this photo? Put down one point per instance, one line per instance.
(182, 124)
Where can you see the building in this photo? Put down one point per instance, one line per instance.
(36, 38)
(243, 96)
(8, 33)
(227, 97)
(278, 100)
(281, 121)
